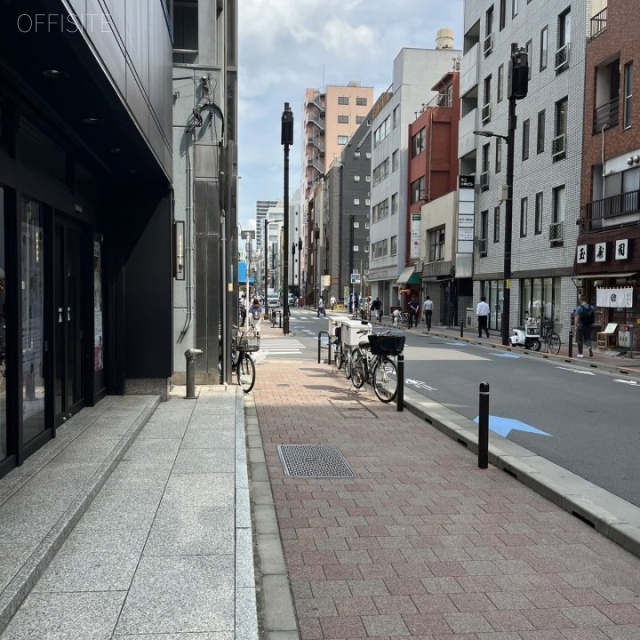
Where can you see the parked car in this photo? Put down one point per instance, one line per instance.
(273, 301)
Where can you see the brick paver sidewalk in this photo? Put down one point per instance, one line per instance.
(421, 542)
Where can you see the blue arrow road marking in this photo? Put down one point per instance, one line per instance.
(504, 426)
(508, 355)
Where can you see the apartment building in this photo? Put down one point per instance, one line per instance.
(607, 259)
(547, 151)
(262, 206)
(432, 222)
(415, 72)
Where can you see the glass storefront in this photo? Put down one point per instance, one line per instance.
(3, 340)
(33, 399)
(540, 299)
(493, 290)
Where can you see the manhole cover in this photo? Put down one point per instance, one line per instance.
(314, 461)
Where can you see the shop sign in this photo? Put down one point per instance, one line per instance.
(622, 249)
(600, 251)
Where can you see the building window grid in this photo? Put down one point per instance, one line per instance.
(544, 47)
(417, 143)
(526, 126)
(394, 245)
(361, 102)
(343, 100)
(498, 155)
(541, 131)
(500, 87)
(436, 244)
(496, 224)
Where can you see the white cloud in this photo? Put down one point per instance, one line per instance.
(286, 46)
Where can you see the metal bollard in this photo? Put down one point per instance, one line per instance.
(483, 427)
(570, 344)
(320, 334)
(400, 391)
(462, 329)
(190, 355)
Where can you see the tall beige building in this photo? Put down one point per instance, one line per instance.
(330, 117)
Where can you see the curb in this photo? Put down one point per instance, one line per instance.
(23, 582)
(608, 514)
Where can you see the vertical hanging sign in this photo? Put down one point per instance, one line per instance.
(416, 220)
(466, 214)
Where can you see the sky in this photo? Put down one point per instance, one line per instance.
(287, 46)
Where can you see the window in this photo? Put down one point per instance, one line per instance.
(381, 172)
(394, 245)
(486, 108)
(538, 213)
(559, 145)
(356, 201)
(496, 224)
(356, 178)
(366, 248)
(394, 204)
(343, 139)
(380, 211)
(524, 212)
(525, 139)
(343, 119)
(484, 232)
(395, 160)
(556, 230)
(380, 248)
(356, 247)
(417, 190)
(396, 117)
(381, 132)
(498, 155)
(485, 157)
(359, 119)
(488, 32)
(356, 225)
(541, 123)
(436, 239)
(529, 47)
(367, 201)
(367, 178)
(356, 154)
(514, 8)
(564, 41)
(367, 155)
(417, 143)
(544, 47)
(361, 102)
(628, 95)
(343, 99)
(503, 14)
(500, 87)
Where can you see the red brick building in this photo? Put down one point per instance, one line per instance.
(607, 262)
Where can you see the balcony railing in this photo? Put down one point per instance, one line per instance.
(611, 207)
(606, 115)
(556, 233)
(599, 23)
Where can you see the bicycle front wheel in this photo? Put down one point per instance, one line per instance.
(553, 344)
(357, 369)
(338, 356)
(246, 372)
(385, 379)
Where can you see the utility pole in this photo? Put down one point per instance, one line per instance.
(286, 139)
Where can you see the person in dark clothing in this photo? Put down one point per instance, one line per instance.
(414, 311)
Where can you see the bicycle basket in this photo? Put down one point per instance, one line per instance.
(248, 343)
(386, 345)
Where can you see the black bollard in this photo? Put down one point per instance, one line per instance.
(570, 343)
(462, 329)
(400, 390)
(483, 427)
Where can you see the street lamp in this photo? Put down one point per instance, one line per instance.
(517, 89)
(286, 139)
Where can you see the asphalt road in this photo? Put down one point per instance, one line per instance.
(587, 421)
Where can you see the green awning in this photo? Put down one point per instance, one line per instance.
(408, 276)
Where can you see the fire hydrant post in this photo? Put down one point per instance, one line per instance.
(190, 355)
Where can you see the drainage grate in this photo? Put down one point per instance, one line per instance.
(313, 461)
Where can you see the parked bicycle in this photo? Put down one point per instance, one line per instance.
(372, 363)
(549, 338)
(243, 368)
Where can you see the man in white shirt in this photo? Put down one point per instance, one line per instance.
(482, 313)
(427, 307)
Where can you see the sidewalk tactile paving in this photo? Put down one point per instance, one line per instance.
(439, 548)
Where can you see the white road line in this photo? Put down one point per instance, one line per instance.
(572, 370)
(633, 383)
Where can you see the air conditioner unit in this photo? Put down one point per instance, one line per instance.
(503, 193)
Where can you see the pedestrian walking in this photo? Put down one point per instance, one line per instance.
(482, 313)
(332, 302)
(584, 316)
(376, 310)
(427, 307)
(321, 310)
(414, 311)
(256, 315)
